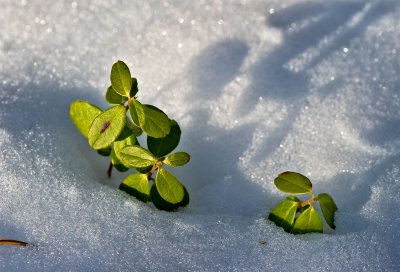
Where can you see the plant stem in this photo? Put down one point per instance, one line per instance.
(155, 167)
(110, 167)
(307, 202)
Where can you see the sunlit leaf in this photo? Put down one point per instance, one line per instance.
(106, 127)
(169, 186)
(308, 221)
(177, 159)
(328, 208)
(162, 204)
(121, 80)
(137, 185)
(156, 123)
(136, 111)
(284, 213)
(293, 183)
(136, 156)
(124, 139)
(82, 114)
(112, 97)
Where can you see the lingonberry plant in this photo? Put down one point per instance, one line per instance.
(114, 133)
(296, 216)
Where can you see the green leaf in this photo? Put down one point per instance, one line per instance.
(137, 131)
(137, 185)
(293, 183)
(136, 156)
(121, 80)
(136, 110)
(117, 163)
(177, 159)
(105, 152)
(169, 187)
(82, 115)
(112, 97)
(308, 221)
(126, 138)
(162, 204)
(144, 170)
(106, 127)
(284, 213)
(328, 208)
(134, 87)
(163, 146)
(156, 123)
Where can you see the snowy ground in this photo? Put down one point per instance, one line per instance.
(259, 87)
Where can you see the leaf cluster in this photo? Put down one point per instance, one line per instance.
(296, 216)
(113, 132)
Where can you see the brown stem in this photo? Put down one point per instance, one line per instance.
(154, 168)
(6, 241)
(110, 168)
(307, 202)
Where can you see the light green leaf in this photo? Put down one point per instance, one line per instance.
(161, 204)
(137, 185)
(126, 138)
(284, 213)
(308, 221)
(177, 159)
(163, 146)
(328, 208)
(169, 187)
(121, 80)
(156, 123)
(112, 97)
(106, 127)
(136, 110)
(134, 88)
(137, 131)
(117, 163)
(136, 156)
(293, 183)
(82, 115)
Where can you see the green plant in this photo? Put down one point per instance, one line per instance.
(296, 216)
(114, 133)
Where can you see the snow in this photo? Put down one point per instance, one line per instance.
(258, 87)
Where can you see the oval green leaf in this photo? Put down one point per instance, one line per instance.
(106, 127)
(112, 97)
(135, 156)
(328, 208)
(161, 204)
(82, 114)
(117, 163)
(284, 213)
(137, 185)
(177, 159)
(293, 183)
(156, 123)
(169, 187)
(308, 221)
(126, 138)
(136, 111)
(163, 146)
(121, 80)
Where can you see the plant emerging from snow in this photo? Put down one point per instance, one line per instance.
(296, 216)
(112, 133)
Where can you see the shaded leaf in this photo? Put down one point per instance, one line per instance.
(163, 146)
(137, 185)
(105, 151)
(82, 114)
(112, 97)
(293, 183)
(106, 127)
(308, 221)
(162, 204)
(177, 159)
(169, 187)
(121, 80)
(144, 170)
(134, 87)
(328, 208)
(284, 213)
(136, 156)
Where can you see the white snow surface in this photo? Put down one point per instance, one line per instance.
(258, 87)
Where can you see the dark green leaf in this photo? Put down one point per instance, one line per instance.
(163, 146)
(82, 115)
(136, 111)
(284, 213)
(293, 183)
(169, 187)
(308, 221)
(156, 123)
(162, 204)
(137, 131)
(328, 208)
(106, 127)
(112, 97)
(134, 88)
(121, 80)
(136, 156)
(177, 159)
(105, 152)
(137, 185)
(144, 170)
